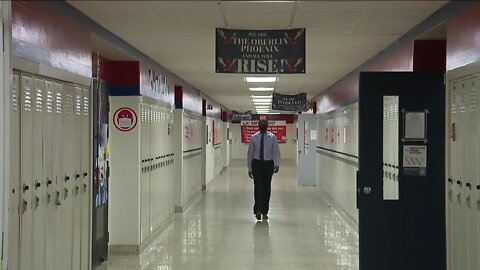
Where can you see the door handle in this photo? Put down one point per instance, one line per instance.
(367, 190)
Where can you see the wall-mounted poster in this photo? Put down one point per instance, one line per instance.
(279, 128)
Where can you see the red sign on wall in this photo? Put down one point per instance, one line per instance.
(125, 119)
(279, 128)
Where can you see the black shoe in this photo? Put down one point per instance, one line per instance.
(258, 216)
(265, 216)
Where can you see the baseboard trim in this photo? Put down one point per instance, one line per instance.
(189, 203)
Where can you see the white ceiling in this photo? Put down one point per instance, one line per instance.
(179, 35)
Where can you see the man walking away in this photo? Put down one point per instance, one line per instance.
(263, 161)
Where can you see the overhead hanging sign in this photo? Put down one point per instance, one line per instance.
(239, 116)
(260, 51)
(279, 128)
(292, 103)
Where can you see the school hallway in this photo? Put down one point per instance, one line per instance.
(219, 230)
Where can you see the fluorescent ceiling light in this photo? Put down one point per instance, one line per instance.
(261, 103)
(260, 79)
(261, 100)
(254, 96)
(254, 89)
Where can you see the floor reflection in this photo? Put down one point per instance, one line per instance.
(219, 231)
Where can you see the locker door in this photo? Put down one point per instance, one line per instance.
(38, 182)
(15, 173)
(476, 179)
(48, 155)
(454, 172)
(26, 174)
(78, 183)
(144, 211)
(59, 175)
(85, 188)
(69, 152)
(472, 173)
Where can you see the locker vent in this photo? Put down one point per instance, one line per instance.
(27, 100)
(38, 100)
(49, 105)
(58, 103)
(78, 105)
(68, 103)
(15, 98)
(85, 106)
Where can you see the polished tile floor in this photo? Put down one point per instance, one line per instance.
(219, 231)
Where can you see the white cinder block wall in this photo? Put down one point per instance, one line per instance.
(337, 157)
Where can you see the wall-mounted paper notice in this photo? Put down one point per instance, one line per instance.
(313, 135)
(415, 125)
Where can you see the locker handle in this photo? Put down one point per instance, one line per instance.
(37, 202)
(57, 199)
(49, 182)
(450, 180)
(24, 206)
(67, 178)
(49, 198)
(84, 188)
(65, 195)
(469, 185)
(25, 188)
(459, 183)
(76, 190)
(478, 187)
(85, 174)
(77, 176)
(37, 184)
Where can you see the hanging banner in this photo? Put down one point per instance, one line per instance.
(260, 51)
(238, 116)
(279, 128)
(292, 103)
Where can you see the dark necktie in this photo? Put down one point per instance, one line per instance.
(262, 156)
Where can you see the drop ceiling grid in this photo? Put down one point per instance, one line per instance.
(180, 35)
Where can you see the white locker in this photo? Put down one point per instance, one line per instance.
(38, 185)
(144, 184)
(85, 182)
(69, 167)
(59, 176)
(49, 143)
(77, 183)
(26, 176)
(15, 173)
(48, 153)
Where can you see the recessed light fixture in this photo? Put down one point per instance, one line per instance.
(262, 103)
(261, 89)
(254, 96)
(260, 79)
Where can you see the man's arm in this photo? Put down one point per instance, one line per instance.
(251, 150)
(276, 154)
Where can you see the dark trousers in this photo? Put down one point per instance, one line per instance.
(262, 177)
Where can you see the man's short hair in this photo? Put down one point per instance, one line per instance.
(263, 121)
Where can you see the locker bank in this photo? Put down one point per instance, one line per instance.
(125, 128)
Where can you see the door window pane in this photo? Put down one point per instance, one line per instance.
(390, 148)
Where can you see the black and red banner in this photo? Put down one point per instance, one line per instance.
(260, 51)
